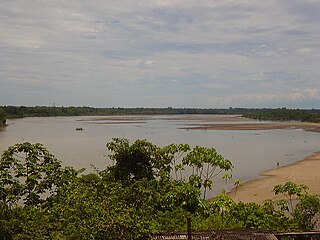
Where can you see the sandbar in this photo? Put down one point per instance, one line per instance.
(314, 127)
(306, 171)
(180, 117)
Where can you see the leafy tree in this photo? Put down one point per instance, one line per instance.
(227, 176)
(307, 207)
(223, 213)
(291, 191)
(174, 154)
(133, 202)
(306, 211)
(237, 184)
(99, 210)
(27, 172)
(255, 216)
(132, 162)
(221, 206)
(206, 164)
(143, 159)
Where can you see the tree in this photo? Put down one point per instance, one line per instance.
(290, 190)
(255, 216)
(206, 164)
(145, 164)
(27, 172)
(132, 161)
(307, 207)
(173, 154)
(306, 211)
(130, 203)
(237, 184)
(143, 159)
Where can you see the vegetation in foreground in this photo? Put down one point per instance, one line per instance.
(147, 190)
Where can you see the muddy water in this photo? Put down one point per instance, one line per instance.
(251, 151)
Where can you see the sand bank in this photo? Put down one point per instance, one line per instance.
(213, 122)
(181, 117)
(315, 127)
(306, 171)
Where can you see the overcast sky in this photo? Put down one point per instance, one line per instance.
(148, 53)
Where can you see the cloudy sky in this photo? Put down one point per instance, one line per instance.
(160, 53)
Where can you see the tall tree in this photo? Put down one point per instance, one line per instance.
(206, 164)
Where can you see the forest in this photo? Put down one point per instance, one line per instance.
(148, 189)
(279, 114)
(283, 114)
(46, 111)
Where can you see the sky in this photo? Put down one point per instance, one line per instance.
(160, 53)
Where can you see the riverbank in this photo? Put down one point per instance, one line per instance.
(307, 126)
(305, 172)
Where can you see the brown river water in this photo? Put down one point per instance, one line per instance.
(251, 151)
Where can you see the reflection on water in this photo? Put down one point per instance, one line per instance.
(251, 151)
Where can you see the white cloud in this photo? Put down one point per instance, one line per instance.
(304, 50)
(179, 52)
(304, 94)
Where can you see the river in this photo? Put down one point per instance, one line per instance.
(251, 151)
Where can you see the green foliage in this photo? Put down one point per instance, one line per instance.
(27, 171)
(46, 111)
(283, 114)
(223, 213)
(307, 207)
(306, 211)
(290, 190)
(132, 199)
(206, 164)
(179, 194)
(132, 162)
(143, 159)
(255, 216)
(173, 155)
(97, 211)
(3, 116)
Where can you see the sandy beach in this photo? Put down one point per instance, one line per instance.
(305, 172)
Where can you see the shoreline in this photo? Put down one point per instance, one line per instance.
(307, 126)
(305, 171)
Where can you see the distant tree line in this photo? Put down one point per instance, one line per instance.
(283, 114)
(280, 114)
(2, 117)
(50, 111)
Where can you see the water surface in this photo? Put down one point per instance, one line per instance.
(251, 151)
